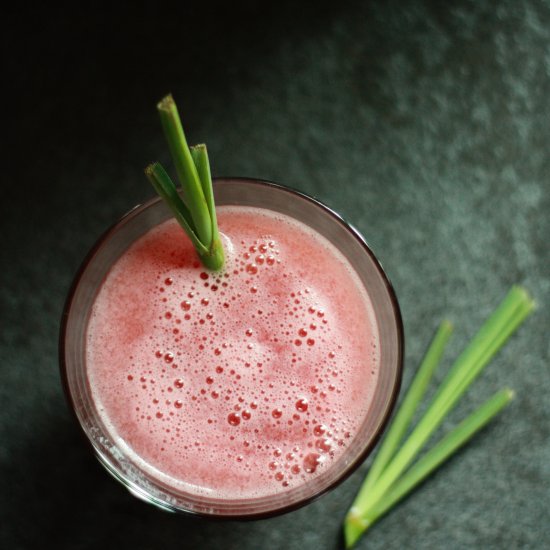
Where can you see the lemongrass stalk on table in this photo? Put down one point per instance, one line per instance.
(403, 417)
(490, 338)
(434, 458)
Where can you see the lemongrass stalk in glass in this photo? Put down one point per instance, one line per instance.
(195, 210)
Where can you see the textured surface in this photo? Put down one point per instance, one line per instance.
(426, 125)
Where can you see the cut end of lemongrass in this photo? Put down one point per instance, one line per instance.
(523, 293)
(354, 527)
(150, 169)
(166, 103)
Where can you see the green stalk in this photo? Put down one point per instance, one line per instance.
(526, 306)
(495, 331)
(354, 523)
(199, 154)
(404, 415)
(472, 362)
(166, 188)
(196, 212)
(187, 173)
(436, 456)
(516, 300)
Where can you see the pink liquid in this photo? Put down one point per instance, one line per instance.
(234, 385)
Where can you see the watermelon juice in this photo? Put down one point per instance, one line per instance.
(242, 392)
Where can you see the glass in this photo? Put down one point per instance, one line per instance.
(246, 192)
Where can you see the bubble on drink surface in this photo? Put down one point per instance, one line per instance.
(324, 445)
(276, 413)
(302, 404)
(319, 430)
(234, 419)
(311, 462)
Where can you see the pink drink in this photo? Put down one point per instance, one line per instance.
(261, 390)
(237, 385)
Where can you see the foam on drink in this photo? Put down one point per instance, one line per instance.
(237, 384)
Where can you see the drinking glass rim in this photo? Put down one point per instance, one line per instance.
(135, 489)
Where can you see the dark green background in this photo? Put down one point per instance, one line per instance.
(426, 124)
